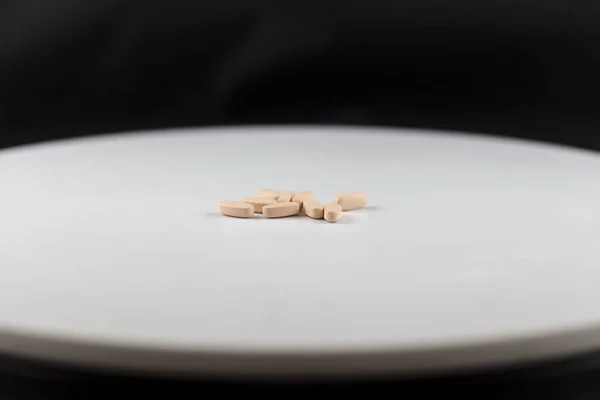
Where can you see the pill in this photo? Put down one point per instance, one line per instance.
(236, 209)
(351, 200)
(274, 194)
(285, 197)
(299, 197)
(313, 208)
(259, 202)
(332, 212)
(281, 210)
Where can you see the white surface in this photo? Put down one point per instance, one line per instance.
(472, 251)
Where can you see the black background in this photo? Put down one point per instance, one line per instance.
(516, 68)
(513, 67)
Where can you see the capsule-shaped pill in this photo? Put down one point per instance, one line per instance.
(300, 197)
(236, 209)
(332, 212)
(313, 209)
(259, 202)
(285, 197)
(352, 200)
(274, 194)
(280, 210)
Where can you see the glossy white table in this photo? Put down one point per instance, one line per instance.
(473, 251)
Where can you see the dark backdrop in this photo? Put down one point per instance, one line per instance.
(525, 68)
(513, 67)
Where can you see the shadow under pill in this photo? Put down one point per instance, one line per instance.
(372, 208)
(346, 220)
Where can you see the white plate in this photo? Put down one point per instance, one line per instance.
(473, 251)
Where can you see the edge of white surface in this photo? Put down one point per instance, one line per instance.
(290, 128)
(301, 364)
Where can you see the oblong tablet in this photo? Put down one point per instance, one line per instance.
(259, 202)
(285, 197)
(313, 209)
(236, 209)
(299, 197)
(332, 212)
(274, 194)
(352, 200)
(280, 210)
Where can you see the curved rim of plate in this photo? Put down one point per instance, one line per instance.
(364, 361)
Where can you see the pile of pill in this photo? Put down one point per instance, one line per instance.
(273, 204)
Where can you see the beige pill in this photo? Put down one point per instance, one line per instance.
(332, 212)
(236, 209)
(259, 202)
(281, 210)
(274, 194)
(351, 200)
(313, 209)
(285, 197)
(299, 197)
